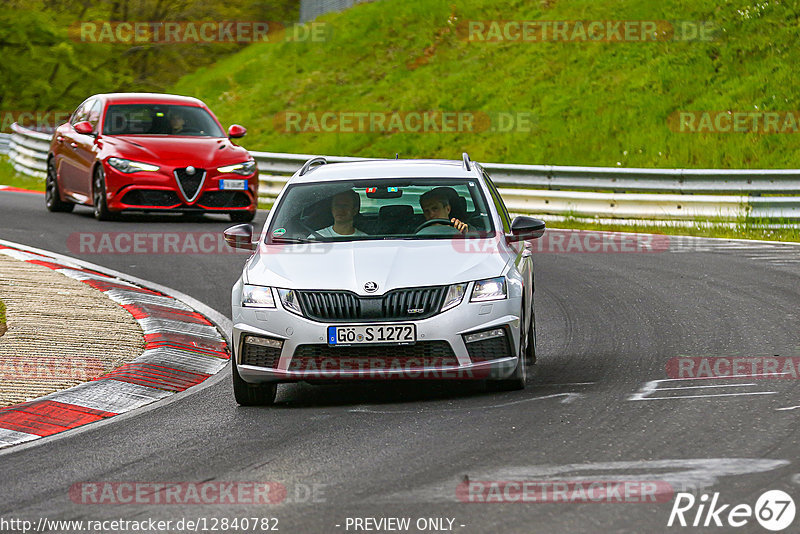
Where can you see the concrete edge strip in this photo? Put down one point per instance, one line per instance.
(185, 344)
(12, 189)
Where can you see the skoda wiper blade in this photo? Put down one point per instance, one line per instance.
(293, 240)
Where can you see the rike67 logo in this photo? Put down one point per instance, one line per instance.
(774, 510)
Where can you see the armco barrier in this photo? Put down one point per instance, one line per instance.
(603, 192)
(28, 151)
(310, 9)
(607, 192)
(5, 140)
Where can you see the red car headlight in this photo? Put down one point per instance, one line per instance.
(129, 166)
(246, 168)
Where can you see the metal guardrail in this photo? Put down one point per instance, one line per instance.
(5, 140)
(310, 9)
(28, 151)
(607, 192)
(582, 192)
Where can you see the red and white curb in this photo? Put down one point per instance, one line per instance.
(182, 349)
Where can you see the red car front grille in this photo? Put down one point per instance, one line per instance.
(151, 197)
(190, 182)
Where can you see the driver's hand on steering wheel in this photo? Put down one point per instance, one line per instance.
(460, 226)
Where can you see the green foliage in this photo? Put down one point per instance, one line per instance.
(45, 65)
(593, 103)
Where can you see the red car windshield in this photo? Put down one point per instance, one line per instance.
(160, 119)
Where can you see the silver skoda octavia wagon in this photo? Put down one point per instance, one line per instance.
(384, 269)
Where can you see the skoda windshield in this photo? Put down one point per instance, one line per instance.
(404, 208)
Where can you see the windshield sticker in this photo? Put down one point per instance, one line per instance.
(278, 232)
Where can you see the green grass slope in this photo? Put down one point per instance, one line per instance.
(10, 177)
(592, 103)
(3, 326)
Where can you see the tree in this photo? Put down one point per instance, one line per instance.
(46, 65)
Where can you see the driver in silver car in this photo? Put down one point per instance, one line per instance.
(435, 205)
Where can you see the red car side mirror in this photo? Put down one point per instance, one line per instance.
(84, 127)
(236, 131)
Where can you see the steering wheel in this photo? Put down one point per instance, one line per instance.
(431, 222)
(312, 232)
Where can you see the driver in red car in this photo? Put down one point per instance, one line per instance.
(435, 205)
(176, 122)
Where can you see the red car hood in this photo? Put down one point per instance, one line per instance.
(202, 152)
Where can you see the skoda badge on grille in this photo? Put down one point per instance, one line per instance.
(371, 287)
(190, 170)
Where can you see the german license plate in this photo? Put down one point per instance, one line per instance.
(233, 185)
(363, 335)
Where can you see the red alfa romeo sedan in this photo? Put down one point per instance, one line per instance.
(149, 152)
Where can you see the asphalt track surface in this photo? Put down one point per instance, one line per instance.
(607, 324)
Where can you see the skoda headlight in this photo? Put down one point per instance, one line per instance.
(290, 301)
(245, 168)
(257, 297)
(455, 293)
(128, 166)
(489, 289)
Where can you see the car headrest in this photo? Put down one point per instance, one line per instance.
(459, 208)
(399, 211)
(318, 215)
